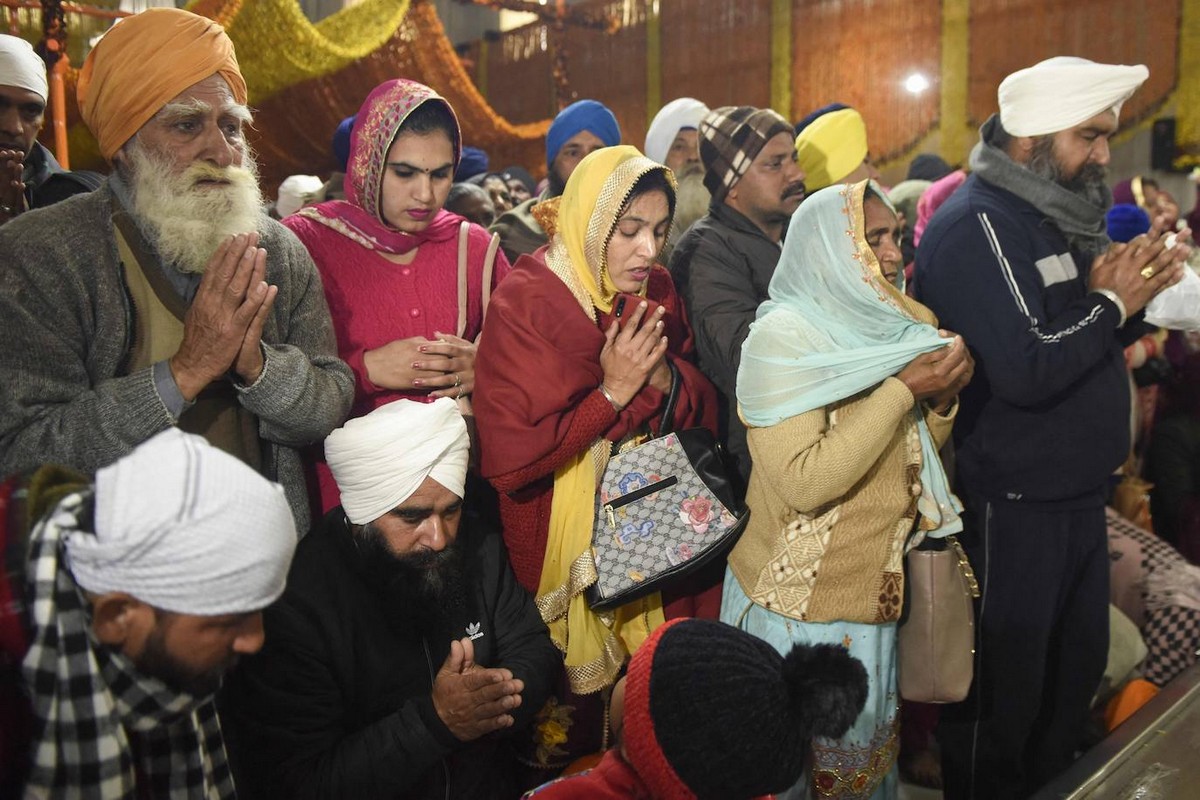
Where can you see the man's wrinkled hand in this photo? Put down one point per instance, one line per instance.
(231, 297)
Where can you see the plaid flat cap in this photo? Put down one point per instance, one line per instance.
(730, 138)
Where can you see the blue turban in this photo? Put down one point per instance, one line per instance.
(1126, 221)
(582, 115)
(341, 142)
(473, 162)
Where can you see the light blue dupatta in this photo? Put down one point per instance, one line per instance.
(833, 327)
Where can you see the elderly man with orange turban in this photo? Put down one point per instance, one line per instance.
(166, 297)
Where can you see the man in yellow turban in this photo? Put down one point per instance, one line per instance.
(166, 297)
(833, 149)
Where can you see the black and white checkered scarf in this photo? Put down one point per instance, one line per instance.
(101, 729)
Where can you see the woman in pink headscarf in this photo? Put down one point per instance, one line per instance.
(933, 198)
(389, 254)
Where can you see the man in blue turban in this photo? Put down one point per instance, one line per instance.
(579, 129)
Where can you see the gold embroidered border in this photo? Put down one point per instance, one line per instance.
(601, 672)
(554, 604)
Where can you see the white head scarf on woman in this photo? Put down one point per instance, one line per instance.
(381, 459)
(1061, 92)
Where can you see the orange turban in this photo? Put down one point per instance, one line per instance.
(142, 63)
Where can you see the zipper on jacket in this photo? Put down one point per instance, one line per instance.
(432, 678)
(637, 494)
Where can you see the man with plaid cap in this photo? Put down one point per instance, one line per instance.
(724, 263)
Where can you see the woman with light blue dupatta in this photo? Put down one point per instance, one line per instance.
(848, 389)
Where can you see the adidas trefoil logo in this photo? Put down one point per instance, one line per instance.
(474, 630)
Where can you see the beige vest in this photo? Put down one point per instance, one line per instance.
(158, 313)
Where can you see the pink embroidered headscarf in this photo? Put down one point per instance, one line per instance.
(360, 217)
(933, 197)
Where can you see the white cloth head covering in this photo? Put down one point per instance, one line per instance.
(21, 67)
(686, 112)
(187, 528)
(380, 459)
(1061, 92)
(295, 192)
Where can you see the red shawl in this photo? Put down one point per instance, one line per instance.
(537, 402)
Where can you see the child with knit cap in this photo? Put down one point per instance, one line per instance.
(707, 711)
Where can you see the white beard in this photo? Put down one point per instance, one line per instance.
(691, 202)
(184, 219)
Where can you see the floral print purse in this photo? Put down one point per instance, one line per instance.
(664, 509)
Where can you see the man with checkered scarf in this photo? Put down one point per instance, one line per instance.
(141, 590)
(724, 263)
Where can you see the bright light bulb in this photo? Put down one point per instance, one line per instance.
(916, 83)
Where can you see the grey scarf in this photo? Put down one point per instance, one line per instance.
(1079, 217)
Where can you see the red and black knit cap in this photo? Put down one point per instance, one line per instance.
(713, 712)
(730, 138)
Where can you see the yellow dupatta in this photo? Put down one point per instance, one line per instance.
(594, 645)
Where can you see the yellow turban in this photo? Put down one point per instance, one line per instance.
(142, 63)
(832, 147)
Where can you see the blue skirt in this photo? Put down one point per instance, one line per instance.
(861, 764)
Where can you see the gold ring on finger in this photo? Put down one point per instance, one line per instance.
(1148, 272)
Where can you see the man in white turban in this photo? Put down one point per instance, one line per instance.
(1017, 261)
(347, 699)
(30, 177)
(142, 591)
(674, 139)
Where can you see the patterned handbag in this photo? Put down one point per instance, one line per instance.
(665, 508)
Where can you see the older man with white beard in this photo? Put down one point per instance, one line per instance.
(167, 297)
(673, 138)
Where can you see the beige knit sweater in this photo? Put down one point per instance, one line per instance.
(833, 497)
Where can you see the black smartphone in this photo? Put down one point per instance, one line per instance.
(619, 308)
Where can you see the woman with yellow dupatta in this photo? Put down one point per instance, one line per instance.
(572, 362)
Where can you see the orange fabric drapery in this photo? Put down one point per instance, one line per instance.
(294, 126)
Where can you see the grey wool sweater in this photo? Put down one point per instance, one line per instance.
(66, 332)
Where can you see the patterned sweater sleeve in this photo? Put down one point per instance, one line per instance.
(810, 463)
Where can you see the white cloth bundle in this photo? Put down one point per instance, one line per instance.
(1177, 307)
(21, 67)
(1061, 92)
(295, 192)
(686, 112)
(380, 459)
(186, 528)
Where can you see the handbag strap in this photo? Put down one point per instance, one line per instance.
(668, 415)
(464, 230)
(489, 265)
(964, 566)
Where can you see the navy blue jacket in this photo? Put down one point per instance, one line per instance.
(1046, 417)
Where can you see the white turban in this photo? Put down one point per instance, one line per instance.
(295, 192)
(1060, 93)
(686, 112)
(187, 528)
(21, 67)
(381, 459)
